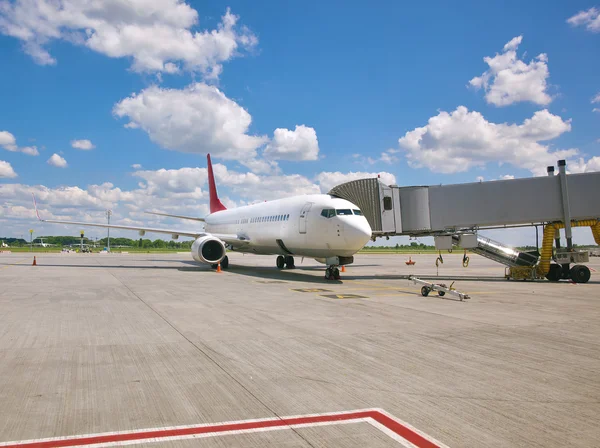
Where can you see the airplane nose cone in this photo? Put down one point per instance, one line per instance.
(357, 233)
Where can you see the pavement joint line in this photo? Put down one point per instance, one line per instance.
(238, 382)
(398, 430)
(14, 264)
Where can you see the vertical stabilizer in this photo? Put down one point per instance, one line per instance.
(215, 203)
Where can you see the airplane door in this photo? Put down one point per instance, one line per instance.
(304, 217)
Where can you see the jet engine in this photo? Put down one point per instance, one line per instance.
(208, 249)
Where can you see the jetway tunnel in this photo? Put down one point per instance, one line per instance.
(453, 215)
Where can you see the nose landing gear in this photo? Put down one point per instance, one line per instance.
(332, 273)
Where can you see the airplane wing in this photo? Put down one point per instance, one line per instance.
(175, 216)
(231, 239)
(194, 234)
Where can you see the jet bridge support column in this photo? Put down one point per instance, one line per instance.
(564, 192)
(550, 171)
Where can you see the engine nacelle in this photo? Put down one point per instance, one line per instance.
(208, 249)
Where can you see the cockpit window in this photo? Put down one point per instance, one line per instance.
(328, 213)
(357, 212)
(344, 211)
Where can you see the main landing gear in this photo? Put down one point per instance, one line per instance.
(224, 263)
(332, 273)
(287, 261)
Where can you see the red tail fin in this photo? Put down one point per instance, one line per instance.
(215, 203)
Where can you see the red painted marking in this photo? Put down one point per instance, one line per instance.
(592, 269)
(388, 422)
(402, 431)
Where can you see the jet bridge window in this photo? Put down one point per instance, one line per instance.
(387, 203)
(344, 211)
(328, 213)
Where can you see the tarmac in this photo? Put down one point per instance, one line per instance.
(109, 343)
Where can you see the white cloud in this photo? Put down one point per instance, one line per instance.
(88, 205)
(596, 99)
(479, 178)
(581, 166)
(261, 166)
(458, 141)
(299, 144)
(30, 151)
(388, 157)
(513, 44)
(590, 19)
(9, 142)
(156, 34)
(6, 170)
(82, 144)
(57, 161)
(510, 80)
(507, 177)
(328, 180)
(180, 181)
(136, 166)
(198, 119)
(253, 187)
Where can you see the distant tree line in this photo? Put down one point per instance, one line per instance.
(114, 242)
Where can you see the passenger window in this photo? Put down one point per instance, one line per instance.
(344, 211)
(387, 203)
(357, 212)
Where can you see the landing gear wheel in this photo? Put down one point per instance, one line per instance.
(327, 274)
(336, 273)
(289, 262)
(441, 293)
(579, 273)
(424, 291)
(225, 262)
(555, 273)
(280, 262)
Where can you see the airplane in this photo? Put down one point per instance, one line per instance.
(42, 244)
(326, 228)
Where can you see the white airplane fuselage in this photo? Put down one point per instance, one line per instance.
(295, 226)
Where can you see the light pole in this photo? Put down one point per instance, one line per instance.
(81, 244)
(108, 214)
(30, 240)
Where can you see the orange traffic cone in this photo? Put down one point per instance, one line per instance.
(343, 268)
(219, 267)
(34, 262)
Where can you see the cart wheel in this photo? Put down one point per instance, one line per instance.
(441, 293)
(424, 291)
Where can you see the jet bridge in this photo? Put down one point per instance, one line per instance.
(453, 214)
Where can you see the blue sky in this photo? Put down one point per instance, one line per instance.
(356, 78)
